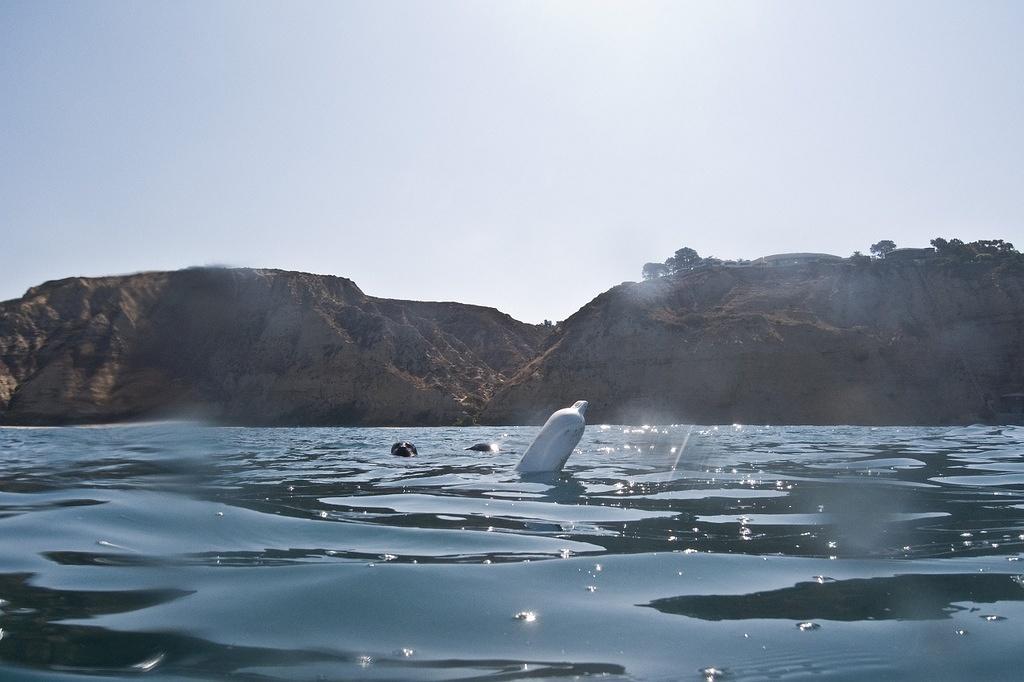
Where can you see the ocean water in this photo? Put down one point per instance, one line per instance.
(661, 553)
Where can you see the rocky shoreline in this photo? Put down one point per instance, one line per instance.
(847, 342)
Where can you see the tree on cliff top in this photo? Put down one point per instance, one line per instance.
(684, 259)
(654, 270)
(883, 248)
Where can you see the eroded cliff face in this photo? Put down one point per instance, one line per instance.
(248, 346)
(874, 343)
(878, 343)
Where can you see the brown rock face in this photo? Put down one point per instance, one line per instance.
(871, 343)
(248, 346)
(878, 343)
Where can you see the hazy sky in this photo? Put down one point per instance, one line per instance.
(523, 155)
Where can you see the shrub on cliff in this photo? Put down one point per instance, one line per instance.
(654, 270)
(883, 248)
(976, 251)
(684, 260)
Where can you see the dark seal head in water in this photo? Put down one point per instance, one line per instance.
(483, 447)
(403, 449)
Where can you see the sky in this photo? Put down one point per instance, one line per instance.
(521, 155)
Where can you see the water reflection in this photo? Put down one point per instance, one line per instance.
(36, 632)
(34, 635)
(903, 597)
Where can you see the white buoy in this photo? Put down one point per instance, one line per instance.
(556, 440)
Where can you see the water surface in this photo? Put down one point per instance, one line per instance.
(660, 553)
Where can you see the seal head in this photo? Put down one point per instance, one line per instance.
(403, 449)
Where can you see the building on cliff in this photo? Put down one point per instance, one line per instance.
(784, 259)
(908, 254)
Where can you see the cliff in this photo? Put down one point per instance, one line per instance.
(839, 343)
(860, 343)
(248, 346)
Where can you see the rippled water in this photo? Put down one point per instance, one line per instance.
(174, 551)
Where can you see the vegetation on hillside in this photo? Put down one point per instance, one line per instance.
(683, 260)
(943, 250)
(883, 248)
(981, 250)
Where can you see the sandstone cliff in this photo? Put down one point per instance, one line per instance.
(860, 343)
(248, 346)
(842, 343)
